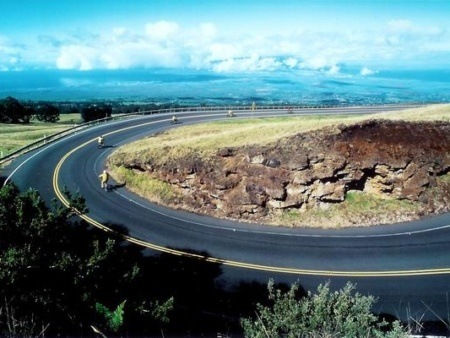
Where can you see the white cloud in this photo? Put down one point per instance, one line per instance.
(253, 63)
(208, 30)
(400, 26)
(13, 60)
(161, 30)
(9, 54)
(223, 51)
(318, 62)
(140, 54)
(120, 31)
(367, 71)
(334, 70)
(210, 46)
(121, 48)
(77, 57)
(291, 62)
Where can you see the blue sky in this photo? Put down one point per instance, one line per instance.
(226, 35)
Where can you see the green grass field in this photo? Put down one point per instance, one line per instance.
(15, 136)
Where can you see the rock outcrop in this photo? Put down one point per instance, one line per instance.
(398, 160)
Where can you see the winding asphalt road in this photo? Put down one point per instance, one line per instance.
(404, 264)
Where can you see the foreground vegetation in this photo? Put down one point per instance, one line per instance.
(327, 314)
(61, 277)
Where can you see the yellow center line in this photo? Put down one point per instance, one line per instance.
(295, 271)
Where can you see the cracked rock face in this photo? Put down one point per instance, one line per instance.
(393, 159)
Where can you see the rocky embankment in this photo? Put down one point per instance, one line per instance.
(396, 160)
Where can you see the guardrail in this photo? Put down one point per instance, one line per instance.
(51, 138)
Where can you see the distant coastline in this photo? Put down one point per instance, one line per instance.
(190, 87)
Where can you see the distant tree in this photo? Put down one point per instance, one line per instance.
(12, 111)
(69, 108)
(341, 314)
(47, 112)
(95, 112)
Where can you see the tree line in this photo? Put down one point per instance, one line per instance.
(14, 111)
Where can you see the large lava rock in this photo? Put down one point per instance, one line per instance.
(393, 158)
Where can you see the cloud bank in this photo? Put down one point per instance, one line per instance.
(205, 46)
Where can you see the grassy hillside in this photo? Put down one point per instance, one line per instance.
(15, 136)
(206, 138)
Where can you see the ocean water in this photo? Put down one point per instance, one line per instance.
(202, 87)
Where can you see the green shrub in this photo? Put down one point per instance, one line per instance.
(339, 314)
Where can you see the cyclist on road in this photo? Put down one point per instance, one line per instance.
(231, 113)
(101, 141)
(104, 177)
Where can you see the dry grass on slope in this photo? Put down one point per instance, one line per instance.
(437, 112)
(206, 138)
(203, 140)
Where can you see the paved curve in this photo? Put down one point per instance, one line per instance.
(381, 256)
